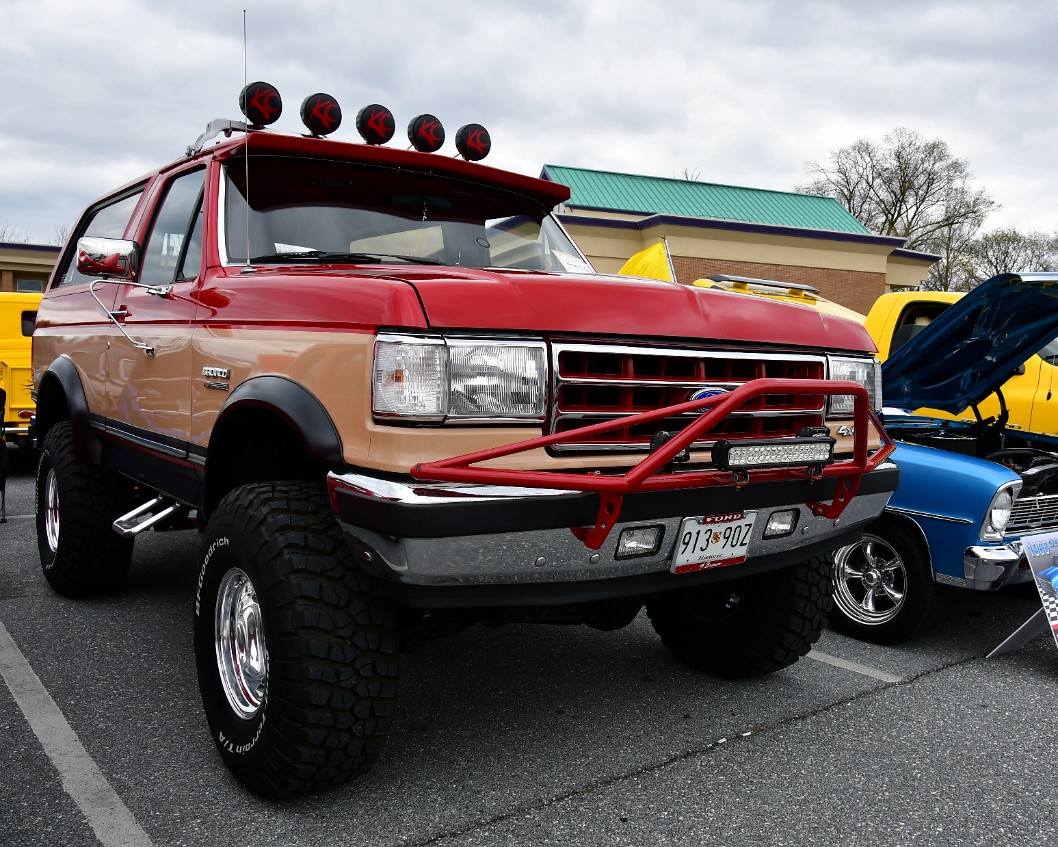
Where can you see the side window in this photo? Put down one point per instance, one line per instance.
(106, 221)
(174, 246)
(29, 321)
(915, 318)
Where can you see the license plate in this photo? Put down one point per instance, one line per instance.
(712, 541)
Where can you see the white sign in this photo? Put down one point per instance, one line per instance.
(1042, 553)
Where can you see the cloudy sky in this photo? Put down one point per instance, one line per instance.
(743, 93)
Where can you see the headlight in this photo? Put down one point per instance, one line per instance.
(459, 379)
(867, 372)
(998, 515)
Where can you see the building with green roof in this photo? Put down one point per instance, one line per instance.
(713, 228)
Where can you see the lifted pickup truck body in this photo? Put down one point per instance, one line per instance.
(396, 400)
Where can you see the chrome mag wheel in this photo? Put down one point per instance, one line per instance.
(870, 581)
(242, 655)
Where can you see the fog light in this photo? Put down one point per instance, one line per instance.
(744, 455)
(781, 523)
(639, 541)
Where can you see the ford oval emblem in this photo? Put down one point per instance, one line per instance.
(703, 393)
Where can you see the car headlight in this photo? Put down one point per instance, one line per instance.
(459, 379)
(999, 510)
(867, 372)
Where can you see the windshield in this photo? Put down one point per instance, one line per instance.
(319, 211)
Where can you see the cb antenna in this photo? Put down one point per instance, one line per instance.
(246, 151)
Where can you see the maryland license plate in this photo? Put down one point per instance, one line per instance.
(712, 541)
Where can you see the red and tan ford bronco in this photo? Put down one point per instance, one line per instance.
(395, 399)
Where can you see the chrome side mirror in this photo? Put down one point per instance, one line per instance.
(108, 258)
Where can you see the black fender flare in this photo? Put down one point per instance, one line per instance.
(63, 381)
(298, 408)
(296, 405)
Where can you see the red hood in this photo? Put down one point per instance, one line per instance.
(618, 305)
(464, 298)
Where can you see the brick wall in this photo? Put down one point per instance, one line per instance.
(853, 289)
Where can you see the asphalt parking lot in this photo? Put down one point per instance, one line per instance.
(528, 735)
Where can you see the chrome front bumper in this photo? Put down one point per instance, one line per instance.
(448, 534)
(988, 568)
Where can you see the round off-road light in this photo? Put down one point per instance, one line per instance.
(473, 142)
(426, 134)
(261, 103)
(375, 124)
(321, 114)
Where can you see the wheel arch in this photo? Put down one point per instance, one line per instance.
(270, 428)
(914, 531)
(61, 397)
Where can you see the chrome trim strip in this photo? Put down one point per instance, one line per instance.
(932, 515)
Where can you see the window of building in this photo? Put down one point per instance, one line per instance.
(29, 286)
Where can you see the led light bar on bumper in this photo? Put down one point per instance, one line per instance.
(438, 379)
(762, 453)
(867, 372)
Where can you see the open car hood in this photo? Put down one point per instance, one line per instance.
(974, 346)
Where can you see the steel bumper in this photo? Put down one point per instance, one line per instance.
(987, 568)
(454, 534)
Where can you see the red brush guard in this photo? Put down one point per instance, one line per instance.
(653, 474)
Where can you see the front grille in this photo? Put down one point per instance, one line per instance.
(597, 383)
(1033, 514)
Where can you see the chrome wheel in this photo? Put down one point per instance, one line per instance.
(870, 581)
(242, 655)
(51, 511)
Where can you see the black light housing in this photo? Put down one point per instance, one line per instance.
(426, 134)
(375, 124)
(321, 114)
(473, 142)
(261, 103)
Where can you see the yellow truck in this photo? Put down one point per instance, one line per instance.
(1028, 395)
(18, 314)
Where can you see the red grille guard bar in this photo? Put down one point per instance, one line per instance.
(649, 475)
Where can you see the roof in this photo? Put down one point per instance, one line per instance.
(652, 195)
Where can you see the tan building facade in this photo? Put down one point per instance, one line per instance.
(850, 269)
(26, 267)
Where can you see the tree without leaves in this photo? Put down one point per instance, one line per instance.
(1004, 250)
(906, 186)
(10, 235)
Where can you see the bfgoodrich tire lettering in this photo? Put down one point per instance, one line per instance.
(748, 626)
(77, 504)
(297, 660)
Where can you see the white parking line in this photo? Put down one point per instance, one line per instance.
(855, 667)
(112, 822)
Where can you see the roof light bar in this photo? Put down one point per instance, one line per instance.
(262, 105)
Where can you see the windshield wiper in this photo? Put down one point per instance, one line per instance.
(326, 256)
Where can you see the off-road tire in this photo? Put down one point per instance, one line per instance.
(749, 626)
(76, 506)
(326, 673)
(897, 565)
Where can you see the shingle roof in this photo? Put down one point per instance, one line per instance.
(652, 195)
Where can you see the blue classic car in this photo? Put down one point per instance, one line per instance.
(969, 490)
